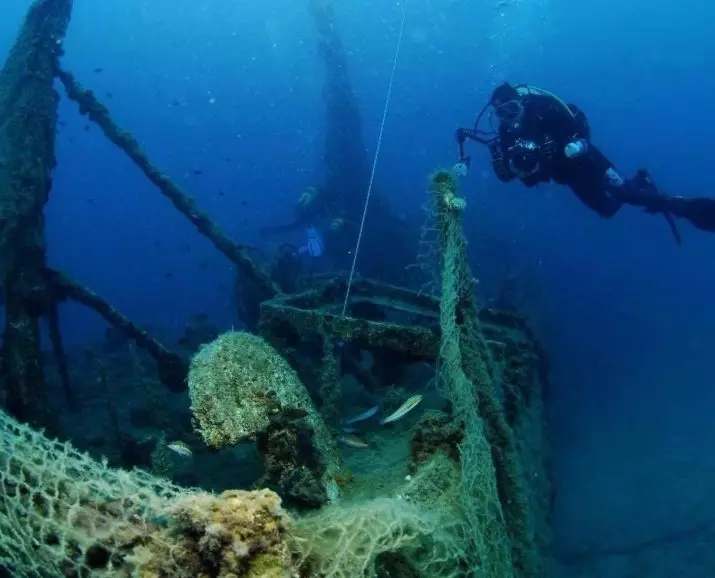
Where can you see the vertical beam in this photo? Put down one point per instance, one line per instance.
(348, 167)
(28, 117)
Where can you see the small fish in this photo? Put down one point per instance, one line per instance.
(352, 441)
(363, 416)
(315, 245)
(403, 410)
(349, 430)
(180, 448)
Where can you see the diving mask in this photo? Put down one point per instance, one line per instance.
(510, 112)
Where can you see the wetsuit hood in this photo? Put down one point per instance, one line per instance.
(503, 94)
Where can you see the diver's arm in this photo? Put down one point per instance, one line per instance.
(564, 123)
(462, 165)
(461, 136)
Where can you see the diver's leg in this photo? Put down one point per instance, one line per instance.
(606, 186)
(640, 191)
(643, 192)
(595, 180)
(615, 190)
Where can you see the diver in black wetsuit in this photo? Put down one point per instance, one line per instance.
(540, 138)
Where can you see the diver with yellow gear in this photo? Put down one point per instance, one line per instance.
(540, 138)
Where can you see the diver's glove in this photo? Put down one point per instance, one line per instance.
(576, 148)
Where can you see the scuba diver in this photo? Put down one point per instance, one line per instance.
(540, 138)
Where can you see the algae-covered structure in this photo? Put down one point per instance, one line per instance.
(468, 497)
(240, 387)
(64, 514)
(31, 290)
(467, 509)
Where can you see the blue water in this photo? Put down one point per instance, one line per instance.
(234, 90)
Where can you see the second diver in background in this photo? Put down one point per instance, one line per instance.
(540, 138)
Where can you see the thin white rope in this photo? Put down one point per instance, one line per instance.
(377, 154)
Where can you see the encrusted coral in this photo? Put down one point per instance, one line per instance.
(238, 383)
(290, 463)
(233, 382)
(234, 534)
(240, 533)
(64, 514)
(435, 432)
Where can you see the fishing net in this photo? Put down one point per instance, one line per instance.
(478, 491)
(64, 514)
(493, 496)
(417, 531)
(470, 519)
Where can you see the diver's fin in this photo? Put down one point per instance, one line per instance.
(700, 211)
(673, 228)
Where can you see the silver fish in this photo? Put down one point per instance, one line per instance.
(353, 441)
(363, 416)
(180, 448)
(403, 410)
